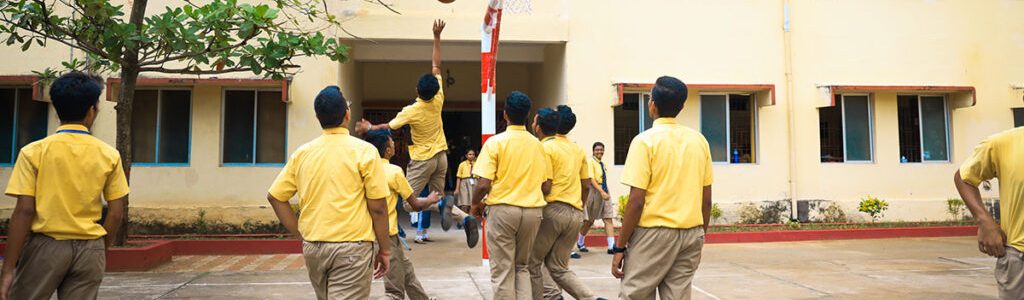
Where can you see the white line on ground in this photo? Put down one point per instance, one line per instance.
(702, 291)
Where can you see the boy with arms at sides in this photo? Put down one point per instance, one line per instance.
(564, 213)
(669, 171)
(999, 156)
(429, 149)
(54, 243)
(514, 176)
(343, 212)
(401, 280)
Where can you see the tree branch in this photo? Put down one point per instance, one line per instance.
(192, 71)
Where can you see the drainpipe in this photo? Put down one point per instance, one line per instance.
(791, 130)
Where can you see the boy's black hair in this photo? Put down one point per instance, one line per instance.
(427, 87)
(597, 144)
(568, 119)
(73, 94)
(548, 120)
(379, 139)
(669, 94)
(330, 107)
(517, 107)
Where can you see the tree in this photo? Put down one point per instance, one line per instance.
(221, 36)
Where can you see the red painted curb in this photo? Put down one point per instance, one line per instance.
(236, 247)
(139, 259)
(600, 241)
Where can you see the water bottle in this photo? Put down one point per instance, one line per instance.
(735, 155)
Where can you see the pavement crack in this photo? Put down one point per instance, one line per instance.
(477, 286)
(186, 283)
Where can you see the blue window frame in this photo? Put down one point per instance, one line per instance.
(22, 121)
(254, 128)
(161, 127)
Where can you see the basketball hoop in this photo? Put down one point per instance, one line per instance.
(524, 7)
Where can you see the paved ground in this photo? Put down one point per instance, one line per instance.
(926, 268)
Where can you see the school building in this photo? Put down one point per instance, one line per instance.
(804, 102)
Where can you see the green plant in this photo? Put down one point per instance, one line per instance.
(794, 225)
(716, 212)
(750, 213)
(833, 214)
(957, 208)
(623, 200)
(874, 207)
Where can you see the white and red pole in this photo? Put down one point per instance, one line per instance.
(488, 84)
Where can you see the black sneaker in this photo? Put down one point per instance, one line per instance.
(445, 212)
(575, 255)
(610, 252)
(583, 248)
(472, 233)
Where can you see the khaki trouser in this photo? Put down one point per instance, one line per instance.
(339, 270)
(510, 234)
(401, 279)
(551, 248)
(72, 268)
(662, 259)
(1010, 274)
(431, 171)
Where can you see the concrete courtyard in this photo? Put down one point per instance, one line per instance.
(922, 268)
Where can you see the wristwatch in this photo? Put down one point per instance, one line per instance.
(616, 249)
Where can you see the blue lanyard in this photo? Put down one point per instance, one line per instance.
(72, 131)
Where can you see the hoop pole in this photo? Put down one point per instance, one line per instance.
(488, 82)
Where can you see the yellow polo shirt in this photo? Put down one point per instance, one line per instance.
(465, 169)
(334, 176)
(515, 163)
(596, 168)
(424, 118)
(398, 186)
(67, 173)
(673, 164)
(1002, 156)
(568, 167)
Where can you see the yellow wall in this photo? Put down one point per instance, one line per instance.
(574, 51)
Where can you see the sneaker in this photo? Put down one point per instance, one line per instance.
(583, 248)
(445, 212)
(472, 231)
(428, 240)
(419, 241)
(610, 252)
(575, 255)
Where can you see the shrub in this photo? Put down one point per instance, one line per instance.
(768, 212)
(716, 212)
(750, 213)
(957, 208)
(874, 207)
(622, 206)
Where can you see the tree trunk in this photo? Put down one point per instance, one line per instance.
(129, 77)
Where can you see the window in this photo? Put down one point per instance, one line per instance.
(845, 130)
(254, 127)
(161, 124)
(923, 128)
(22, 121)
(1018, 117)
(628, 117)
(727, 121)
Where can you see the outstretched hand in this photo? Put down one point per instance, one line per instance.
(438, 27)
(362, 127)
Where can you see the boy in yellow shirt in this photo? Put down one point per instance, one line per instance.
(563, 214)
(669, 171)
(342, 208)
(428, 153)
(54, 242)
(999, 156)
(514, 176)
(401, 279)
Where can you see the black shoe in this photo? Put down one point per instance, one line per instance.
(610, 252)
(582, 248)
(599, 298)
(575, 255)
(446, 218)
(472, 233)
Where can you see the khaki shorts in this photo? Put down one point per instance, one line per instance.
(72, 268)
(1010, 274)
(595, 206)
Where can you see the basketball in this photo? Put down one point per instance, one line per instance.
(446, 1)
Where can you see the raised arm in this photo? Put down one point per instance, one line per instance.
(436, 58)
